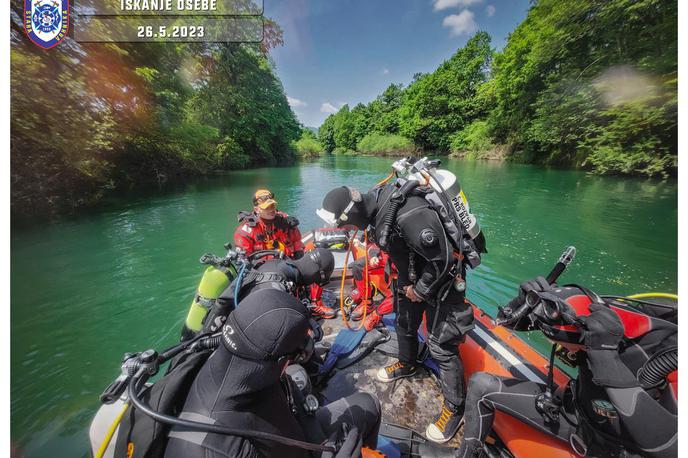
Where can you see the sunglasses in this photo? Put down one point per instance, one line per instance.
(263, 198)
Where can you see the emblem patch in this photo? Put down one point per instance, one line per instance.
(46, 21)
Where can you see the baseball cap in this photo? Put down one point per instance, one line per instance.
(264, 198)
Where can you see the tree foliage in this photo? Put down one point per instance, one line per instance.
(89, 118)
(308, 146)
(589, 83)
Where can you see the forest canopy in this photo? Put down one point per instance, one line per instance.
(584, 83)
(589, 83)
(91, 118)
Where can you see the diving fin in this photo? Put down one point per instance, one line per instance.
(371, 340)
(345, 342)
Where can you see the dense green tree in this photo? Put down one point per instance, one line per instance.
(89, 118)
(326, 135)
(443, 102)
(591, 82)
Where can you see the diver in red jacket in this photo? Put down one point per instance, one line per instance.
(265, 228)
(623, 402)
(378, 262)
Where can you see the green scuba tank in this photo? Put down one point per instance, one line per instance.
(215, 280)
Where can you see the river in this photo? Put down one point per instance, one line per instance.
(88, 289)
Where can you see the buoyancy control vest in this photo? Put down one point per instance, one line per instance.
(139, 435)
(646, 337)
(398, 191)
(443, 193)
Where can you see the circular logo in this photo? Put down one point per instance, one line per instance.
(46, 18)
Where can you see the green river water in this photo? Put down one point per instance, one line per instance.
(86, 290)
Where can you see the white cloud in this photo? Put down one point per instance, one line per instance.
(327, 107)
(385, 71)
(490, 10)
(446, 4)
(462, 23)
(296, 103)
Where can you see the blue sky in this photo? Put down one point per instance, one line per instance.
(349, 51)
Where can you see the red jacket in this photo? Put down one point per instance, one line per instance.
(254, 234)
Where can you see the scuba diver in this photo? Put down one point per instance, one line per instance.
(288, 275)
(243, 385)
(431, 264)
(265, 228)
(623, 402)
(377, 265)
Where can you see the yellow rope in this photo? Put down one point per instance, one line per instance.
(110, 432)
(649, 295)
(341, 286)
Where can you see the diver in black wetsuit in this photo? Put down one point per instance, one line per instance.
(608, 410)
(427, 266)
(242, 385)
(314, 267)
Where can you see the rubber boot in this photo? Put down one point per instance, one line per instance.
(316, 292)
(320, 310)
(358, 292)
(372, 319)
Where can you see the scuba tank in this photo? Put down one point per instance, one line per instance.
(450, 202)
(216, 278)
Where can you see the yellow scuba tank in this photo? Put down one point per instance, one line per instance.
(216, 278)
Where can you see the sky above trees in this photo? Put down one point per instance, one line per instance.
(346, 52)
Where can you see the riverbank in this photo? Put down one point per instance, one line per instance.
(570, 87)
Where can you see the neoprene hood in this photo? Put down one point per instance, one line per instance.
(267, 325)
(315, 266)
(338, 200)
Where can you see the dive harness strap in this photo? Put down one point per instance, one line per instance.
(255, 277)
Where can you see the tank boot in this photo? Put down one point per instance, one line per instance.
(320, 310)
(446, 426)
(395, 371)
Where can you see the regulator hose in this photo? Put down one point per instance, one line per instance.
(238, 280)
(398, 197)
(656, 369)
(213, 428)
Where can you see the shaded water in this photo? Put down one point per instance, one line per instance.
(85, 291)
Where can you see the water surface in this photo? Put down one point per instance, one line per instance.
(86, 290)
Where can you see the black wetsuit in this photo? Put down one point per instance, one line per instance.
(637, 422)
(423, 256)
(240, 386)
(246, 394)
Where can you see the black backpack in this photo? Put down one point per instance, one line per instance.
(139, 435)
